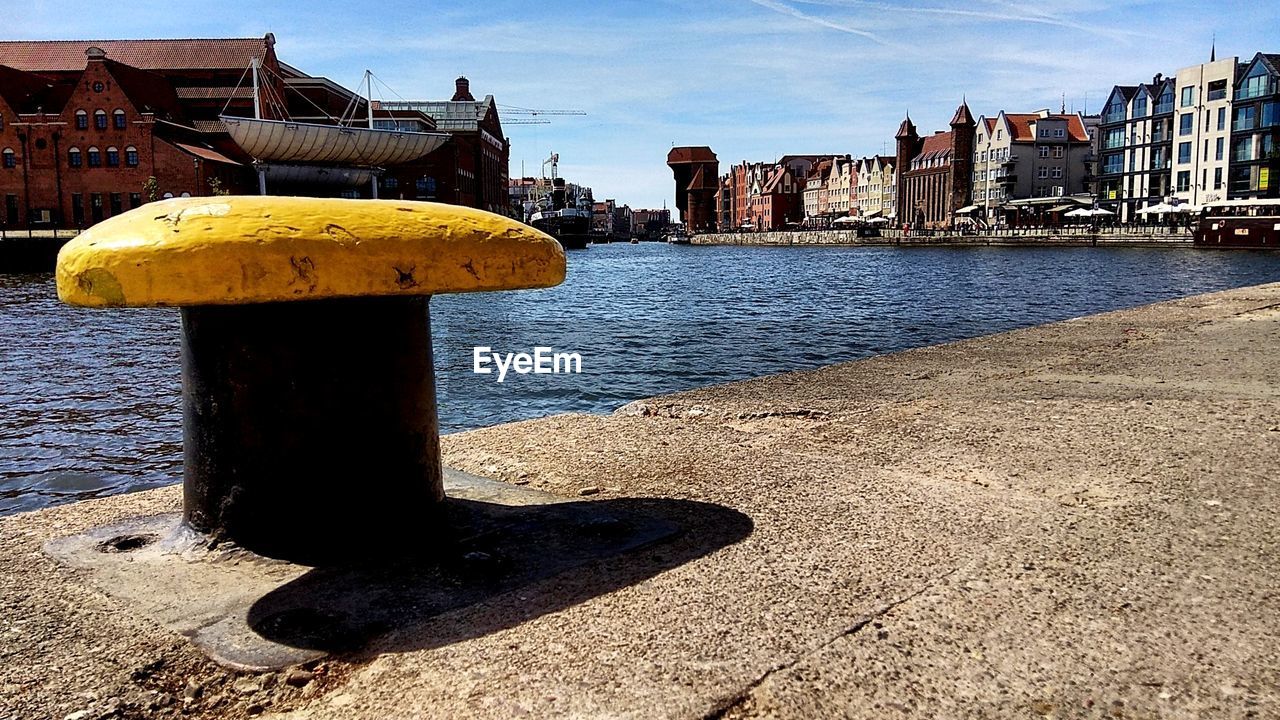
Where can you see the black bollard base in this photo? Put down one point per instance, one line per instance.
(309, 428)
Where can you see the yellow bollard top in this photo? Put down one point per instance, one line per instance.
(235, 250)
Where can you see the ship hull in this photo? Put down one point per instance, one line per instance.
(572, 229)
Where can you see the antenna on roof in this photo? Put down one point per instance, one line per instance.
(1213, 48)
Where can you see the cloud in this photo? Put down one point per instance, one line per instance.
(786, 9)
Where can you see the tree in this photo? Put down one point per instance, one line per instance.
(151, 189)
(215, 187)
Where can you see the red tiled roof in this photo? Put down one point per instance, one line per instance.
(147, 91)
(990, 123)
(185, 54)
(937, 143)
(700, 153)
(1020, 125)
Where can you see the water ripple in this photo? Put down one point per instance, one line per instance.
(90, 399)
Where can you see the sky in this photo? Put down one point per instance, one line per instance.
(752, 79)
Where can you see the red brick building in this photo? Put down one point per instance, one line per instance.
(696, 171)
(86, 125)
(935, 174)
(469, 170)
(89, 122)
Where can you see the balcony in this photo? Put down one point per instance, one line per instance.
(1013, 158)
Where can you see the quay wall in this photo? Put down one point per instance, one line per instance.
(896, 237)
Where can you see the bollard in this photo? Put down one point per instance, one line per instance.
(309, 415)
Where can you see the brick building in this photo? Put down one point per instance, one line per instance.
(469, 170)
(697, 171)
(86, 125)
(934, 174)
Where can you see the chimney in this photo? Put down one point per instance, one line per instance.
(462, 90)
(1156, 80)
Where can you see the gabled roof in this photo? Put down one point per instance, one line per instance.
(936, 145)
(184, 54)
(1020, 126)
(149, 92)
(25, 92)
(779, 174)
(962, 117)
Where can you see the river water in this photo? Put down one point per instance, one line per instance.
(90, 399)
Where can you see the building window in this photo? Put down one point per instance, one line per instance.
(117, 206)
(1242, 150)
(1044, 151)
(131, 156)
(1184, 152)
(1222, 118)
(1113, 138)
(1164, 103)
(118, 116)
(1188, 96)
(11, 209)
(1114, 111)
(1140, 105)
(1255, 85)
(100, 119)
(1058, 151)
(113, 157)
(1059, 133)
(1159, 158)
(1042, 173)
(1244, 118)
(1184, 180)
(1185, 122)
(74, 159)
(1056, 173)
(8, 159)
(135, 200)
(95, 157)
(1217, 90)
(82, 120)
(77, 209)
(1270, 114)
(1217, 151)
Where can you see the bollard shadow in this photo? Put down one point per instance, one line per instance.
(483, 552)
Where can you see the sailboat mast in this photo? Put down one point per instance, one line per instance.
(257, 115)
(368, 103)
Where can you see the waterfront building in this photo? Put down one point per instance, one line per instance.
(90, 129)
(1135, 147)
(697, 174)
(934, 174)
(841, 185)
(1204, 134)
(876, 187)
(649, 224)
(471, 169)
(779, 200)
(815, 191)
(1255, 130)
(1029, 156)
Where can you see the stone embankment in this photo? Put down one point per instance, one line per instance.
(897, 237)
(1079, 519)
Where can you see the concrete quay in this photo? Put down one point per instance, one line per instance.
(1074, 520)
(1071, 238)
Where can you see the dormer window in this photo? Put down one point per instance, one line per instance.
(118, 116)
(82, 120)
(100, 119)
(74, 158)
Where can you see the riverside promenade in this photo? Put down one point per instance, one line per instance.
(1073, 520)
(1053, 237)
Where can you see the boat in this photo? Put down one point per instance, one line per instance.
(567, 219)
(678, 237)
(1248, 223)
(343, 153)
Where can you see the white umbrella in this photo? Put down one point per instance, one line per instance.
(878, 221)
(844, 220)
(1160, 208)
(1100, 212)
(1079, 212)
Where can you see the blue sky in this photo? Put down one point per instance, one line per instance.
(753, 79)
